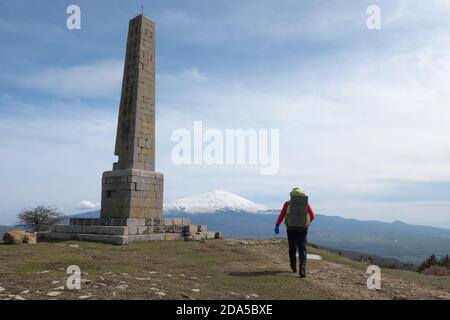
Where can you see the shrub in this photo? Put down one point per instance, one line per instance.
(40, 218)
(437, 271)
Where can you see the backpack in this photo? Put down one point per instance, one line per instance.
(298, 210)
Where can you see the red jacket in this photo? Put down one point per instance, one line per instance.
(283, 213)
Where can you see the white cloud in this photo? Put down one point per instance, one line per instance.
(98, 79)
(351, 119)
(86, 205)
(346, 131)
(53, 153)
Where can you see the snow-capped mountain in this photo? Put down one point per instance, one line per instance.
(213, 201)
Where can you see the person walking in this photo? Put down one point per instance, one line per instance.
(297, 215)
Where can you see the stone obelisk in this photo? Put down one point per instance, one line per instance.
(132, 193)
(133, 189)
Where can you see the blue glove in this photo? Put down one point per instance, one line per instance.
(277, 230)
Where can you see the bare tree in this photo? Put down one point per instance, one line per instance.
(40, 218)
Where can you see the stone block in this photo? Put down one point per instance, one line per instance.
(174, 236)
(210, 235)
(192, 228)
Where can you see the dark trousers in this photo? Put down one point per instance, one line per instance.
(297, 240)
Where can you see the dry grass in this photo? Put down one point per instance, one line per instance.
(231, 269)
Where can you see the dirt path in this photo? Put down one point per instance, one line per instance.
(343, 281)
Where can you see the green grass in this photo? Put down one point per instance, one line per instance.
(219, 269)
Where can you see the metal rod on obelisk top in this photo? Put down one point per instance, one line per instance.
(142, 9)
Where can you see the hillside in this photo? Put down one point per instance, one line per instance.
(400, 241)
(229, 269)
(408, 243)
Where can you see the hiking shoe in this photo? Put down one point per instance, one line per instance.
(293, 268)
(302, 271)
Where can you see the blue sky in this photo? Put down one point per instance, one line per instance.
(363, 114)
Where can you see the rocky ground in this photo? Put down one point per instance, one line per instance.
(229, 269)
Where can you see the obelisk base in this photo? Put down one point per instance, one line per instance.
(132, 193)
(124, 231)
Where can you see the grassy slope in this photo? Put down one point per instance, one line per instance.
(231, 269)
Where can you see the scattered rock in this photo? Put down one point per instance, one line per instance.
(194, 237)
(153, 272)
(17, 297)
(19, 237)
(143, 279)
(25, 292)
(251, 295)
(313, 257)
(58, 288)
(42, 272)
(55, 281)
(154, 289)
(54, 293)
(74, 246)
(122, 286)
(2, 289)
(89, 295)
(195, 290)
(160, 293)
